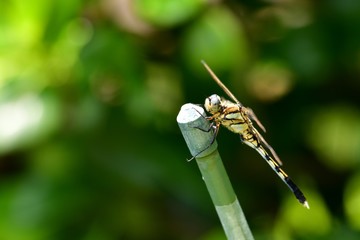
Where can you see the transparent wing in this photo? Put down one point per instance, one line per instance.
(217, 80)
(252, 115)
(250, 112)
(273, 153)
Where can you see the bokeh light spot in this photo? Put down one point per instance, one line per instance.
(334, 134)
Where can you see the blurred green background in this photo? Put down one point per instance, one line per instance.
(89, 93)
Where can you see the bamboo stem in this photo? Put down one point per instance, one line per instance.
(232, 218)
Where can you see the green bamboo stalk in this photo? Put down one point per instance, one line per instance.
(227, 206)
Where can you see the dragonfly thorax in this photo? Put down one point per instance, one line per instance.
(213, 104)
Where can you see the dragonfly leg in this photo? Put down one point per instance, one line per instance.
(216, 130)
(212, 126)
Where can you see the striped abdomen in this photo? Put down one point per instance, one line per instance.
(251, 140)
(233, 119)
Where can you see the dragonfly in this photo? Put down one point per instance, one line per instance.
(239, 119)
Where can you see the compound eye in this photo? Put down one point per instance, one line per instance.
(212, 103)
(215, 100)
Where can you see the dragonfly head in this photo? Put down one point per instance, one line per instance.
(213, 104)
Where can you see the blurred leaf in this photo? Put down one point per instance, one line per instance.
(295, 220)
(335, 136)
(167, 12)
(55, 161)
(22, 52)
(352, 202)
(22, 211)
(113, 64)
(347, 10)
(162, 97)
(272, 22)
(219, 39)
(214, 234)
(307, 52)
